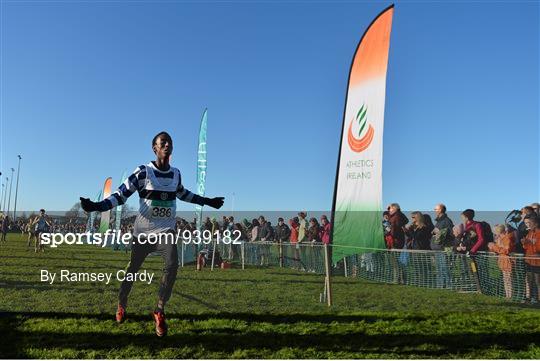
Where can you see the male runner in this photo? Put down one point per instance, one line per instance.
(29, 231)
(158, 185)
(4, 228)
(41, 224)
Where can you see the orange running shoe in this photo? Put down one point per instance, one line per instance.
(161, 325)
(120, 314)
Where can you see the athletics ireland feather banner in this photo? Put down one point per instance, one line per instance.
(201, 166)
(357, 205)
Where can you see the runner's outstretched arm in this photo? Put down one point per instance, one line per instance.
(132, 183)
(126, 189)
(185, 195)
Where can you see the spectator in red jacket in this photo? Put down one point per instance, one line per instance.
(294, 230)
(397, 223)
(326, 228)
(474, 230)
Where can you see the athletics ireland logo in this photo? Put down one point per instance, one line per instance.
(365, 135)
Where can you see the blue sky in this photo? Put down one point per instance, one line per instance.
(86, 85)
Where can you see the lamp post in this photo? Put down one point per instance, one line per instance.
(10, 187)
(5, 195)
(232, 205)
(1, 193)
(17, 189)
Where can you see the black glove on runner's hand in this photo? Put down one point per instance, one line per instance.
(87, 205)
(216, 202)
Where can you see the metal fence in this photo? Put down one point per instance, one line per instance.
(503, 276)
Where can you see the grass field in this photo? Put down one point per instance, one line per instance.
(252, 313)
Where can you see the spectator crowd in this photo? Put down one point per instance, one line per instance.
(420, 233)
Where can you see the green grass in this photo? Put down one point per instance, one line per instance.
(252, 313)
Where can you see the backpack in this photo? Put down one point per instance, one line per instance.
(488, 237)
(488, 234)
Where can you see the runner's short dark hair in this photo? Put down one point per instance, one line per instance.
(159, 135)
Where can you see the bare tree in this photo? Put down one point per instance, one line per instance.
(75, 212)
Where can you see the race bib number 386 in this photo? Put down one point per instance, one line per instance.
(161, 212)
(161, 209)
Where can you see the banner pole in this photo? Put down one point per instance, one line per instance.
(328, 282)
(213, 256)
(345, 267)
(242, 252)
